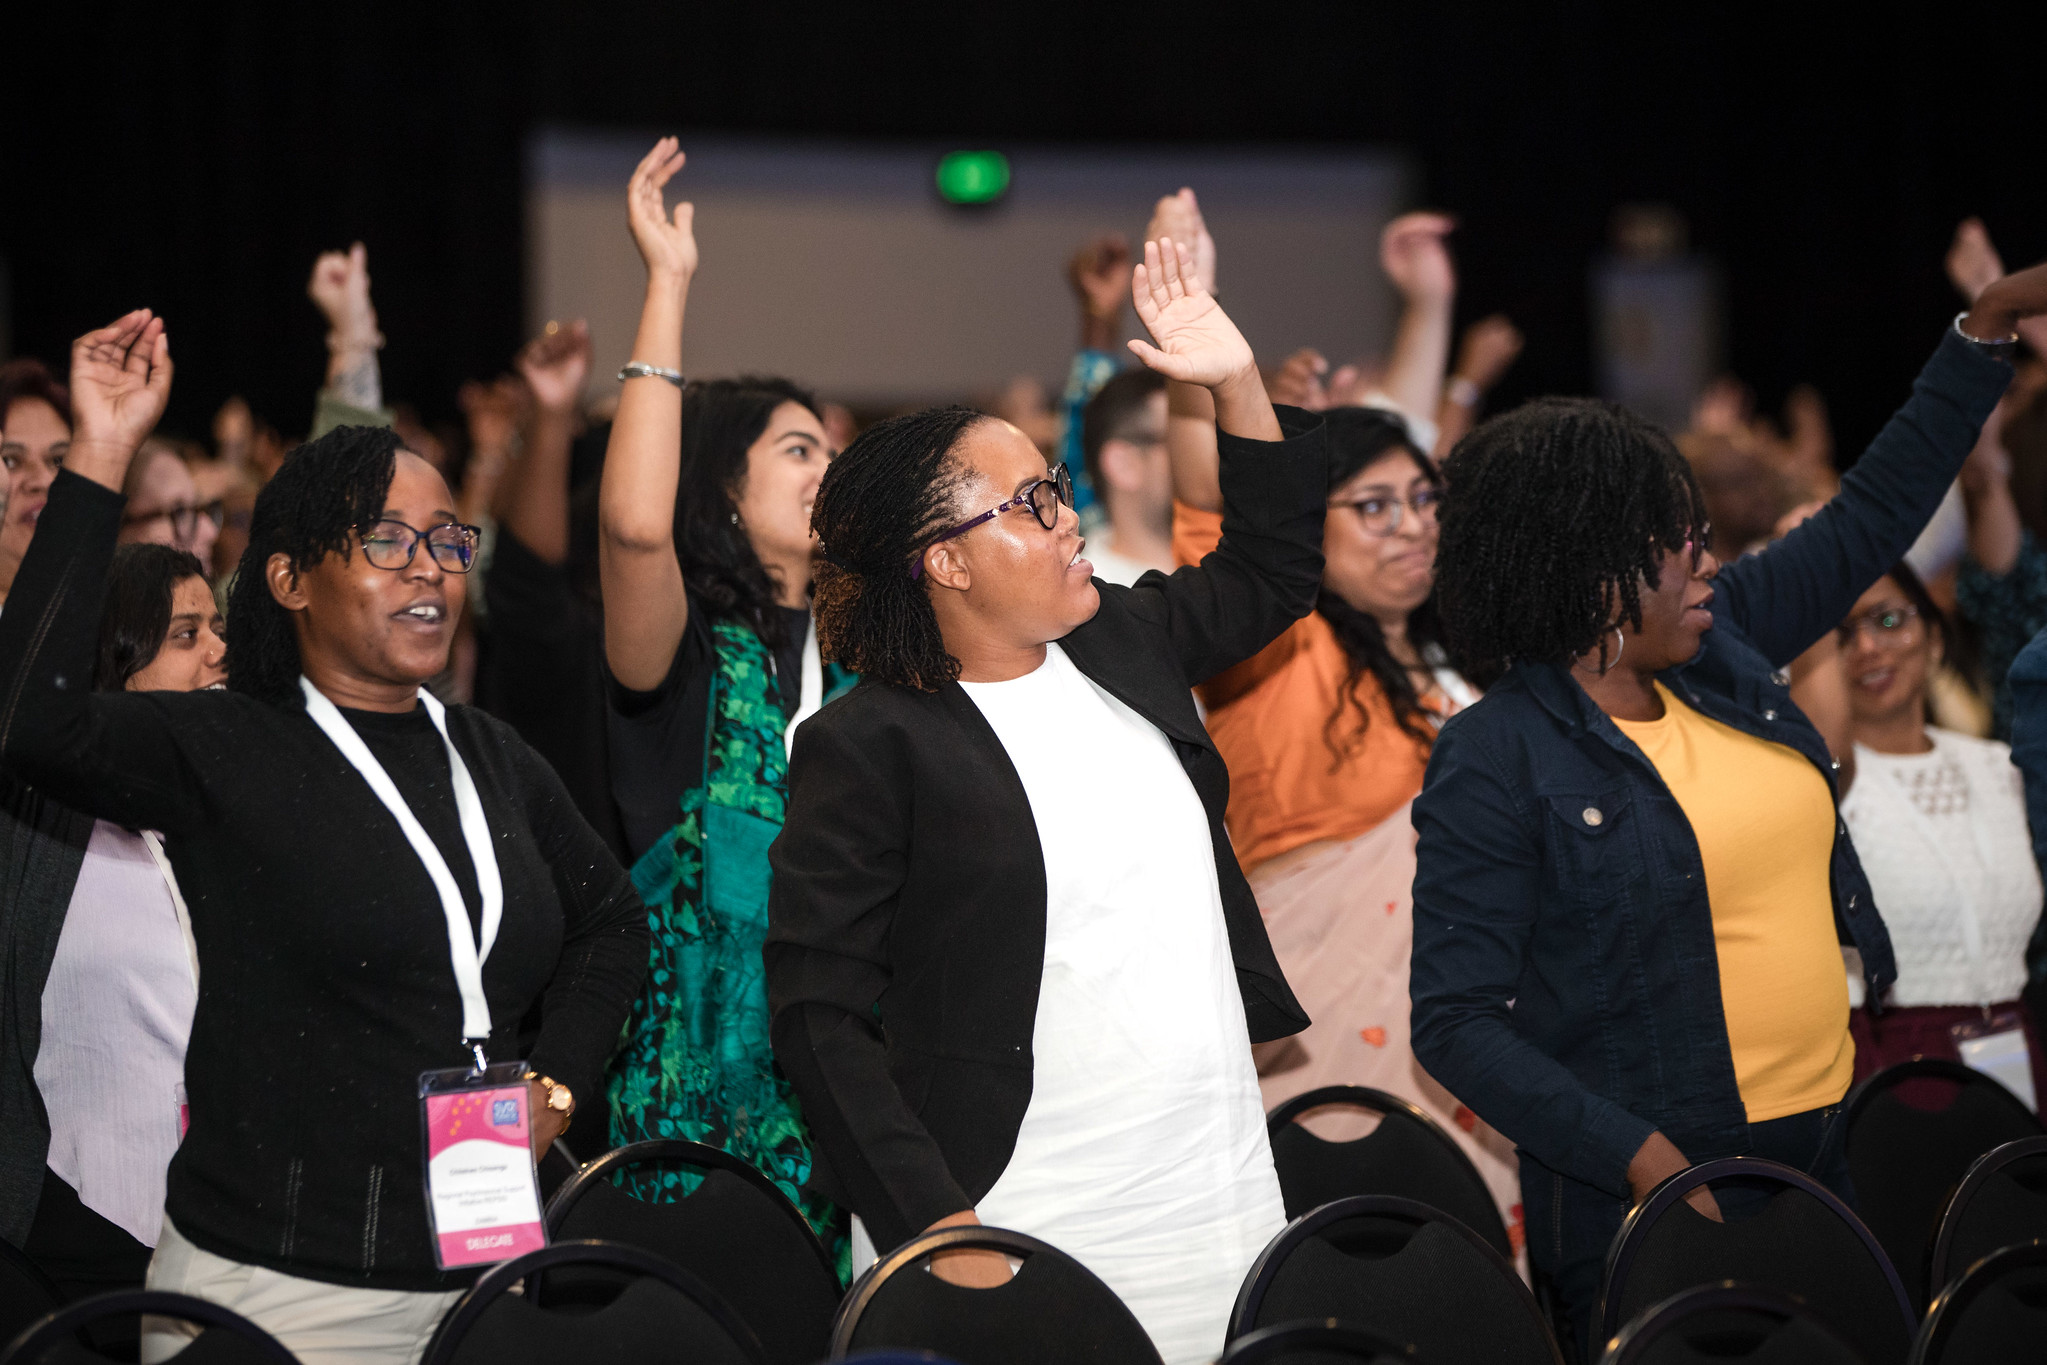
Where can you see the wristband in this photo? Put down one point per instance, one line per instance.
(1462, 391)
(641, 370)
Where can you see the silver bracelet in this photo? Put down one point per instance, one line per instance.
(2000, 347)
(1463, 392)
(640, 370)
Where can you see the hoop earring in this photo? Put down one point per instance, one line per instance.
(735, 518)
(1620, 644)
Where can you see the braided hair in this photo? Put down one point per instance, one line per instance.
(323, 492)
(1358, 437)
(1556, 514)
(721, 419)
(882, 501)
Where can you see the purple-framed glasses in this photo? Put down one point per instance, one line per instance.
(1043, 496)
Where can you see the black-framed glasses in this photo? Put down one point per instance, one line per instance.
(391, 544)
(1382, 515)
(1043, 496)
(184, 518)
(1888, 624)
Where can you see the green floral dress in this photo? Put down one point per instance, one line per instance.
(696, 1063)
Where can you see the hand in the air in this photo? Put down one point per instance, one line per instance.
(340, 286)
(1972, 262)
(666, 240)
(120, 381)
(1490, 345)
(1178, 216)
(492, 411)
(1415, 258)
(555, 364)
(1196, 341)
(2007, 301)
(1098, 272)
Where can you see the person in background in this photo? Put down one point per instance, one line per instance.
(99, 970)
(2029, 755)
(354, 392)
(35, 432)
(1630, 869)
(325, 964)
(1099, 275)
(2002, 586)
(1939, 820)
(1487, 351)
(1123, 439)
(1326, 731)
(705, 555)
(164, 506)
(998, 1003)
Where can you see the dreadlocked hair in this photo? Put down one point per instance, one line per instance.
(1359, 437)
(721, 419)
(882, 501)
(1556, 513)
(323, 492)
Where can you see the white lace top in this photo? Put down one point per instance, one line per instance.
(1944, 840)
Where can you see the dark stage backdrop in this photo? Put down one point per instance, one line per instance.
(196, 157)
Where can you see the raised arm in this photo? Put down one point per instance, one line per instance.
(354, 392)
(1490, 345)
(534, 503)
(1416, 259)
(1190, 412)
(645, 607)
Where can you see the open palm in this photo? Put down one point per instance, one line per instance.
(667, 242)
(120, 380)
(1196, 342)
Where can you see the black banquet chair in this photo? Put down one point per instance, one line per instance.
(1800, 1240)
(26, 1293)
(1052, 1309)
(1995, 1314)
(1913, 1131)
(1328, 1342)
(736, 1231)
(225, 1336)
(663, 1313)
(1401, 1269)
(1729, 1324)
(2001, 1202)
(1407, 1155)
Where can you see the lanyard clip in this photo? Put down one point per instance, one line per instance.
(482, 1063)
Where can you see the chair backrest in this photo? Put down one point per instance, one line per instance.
(1408, 1155)
(736, 1231)
(663, 1313)
(1803, 1241)
(226, 1338)
(1995, 1314)
(886, 1357)
(1397, 1267)
(1729, 1324)
(1052, 1309)
(2001, 1202)
(1328, 1342)
(1912, 1132)
(26, 1293)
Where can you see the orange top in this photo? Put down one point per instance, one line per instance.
(1269, 717)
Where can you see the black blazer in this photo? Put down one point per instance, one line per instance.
(906, 927)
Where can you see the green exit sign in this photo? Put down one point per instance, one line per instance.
(972, 177)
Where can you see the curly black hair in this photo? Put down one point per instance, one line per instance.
(135, 618)
(323, 492)
(721, 419)
(1357, 437)
(1554, 516)
(882, 501)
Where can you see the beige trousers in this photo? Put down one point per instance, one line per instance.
(321, 1324)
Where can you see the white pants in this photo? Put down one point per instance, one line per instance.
(321, 1324)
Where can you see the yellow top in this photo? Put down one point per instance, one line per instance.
(1764, 819)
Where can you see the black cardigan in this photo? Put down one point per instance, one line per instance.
(906, 927)
(325, 986)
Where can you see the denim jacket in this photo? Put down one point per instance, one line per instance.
(1565, 981)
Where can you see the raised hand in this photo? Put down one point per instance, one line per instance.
(1178, 216)
(1415, 258)
(492, 412)
(2006, 301)
(666, 240)
(1097, 273)
(555, 364)
(1490, 345)
(1196, 341)
(1298, 380)
(120, 381)
(340, 286)
(1972, 262)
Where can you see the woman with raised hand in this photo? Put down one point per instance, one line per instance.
(342, 842)
(704, 550)
(97, 977)
(1632, 877)
(999, 1001)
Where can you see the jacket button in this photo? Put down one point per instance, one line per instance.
(1593, 817)
(1769, 715)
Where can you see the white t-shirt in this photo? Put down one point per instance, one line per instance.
(1944, 840)
(1143, 1152)
(1111, 567)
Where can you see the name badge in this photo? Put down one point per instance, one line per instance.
(482, 1195)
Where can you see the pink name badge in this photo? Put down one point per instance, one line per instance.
(481, 1193)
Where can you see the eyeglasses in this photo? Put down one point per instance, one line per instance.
(184, 518)
(1043, 496)
(391, 544)
(1382, 515)
(1889, 624)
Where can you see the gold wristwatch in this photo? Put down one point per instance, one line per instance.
(559, 1098)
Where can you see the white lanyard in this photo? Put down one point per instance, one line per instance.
(467, 954)
(810, 686)
(153, 841)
